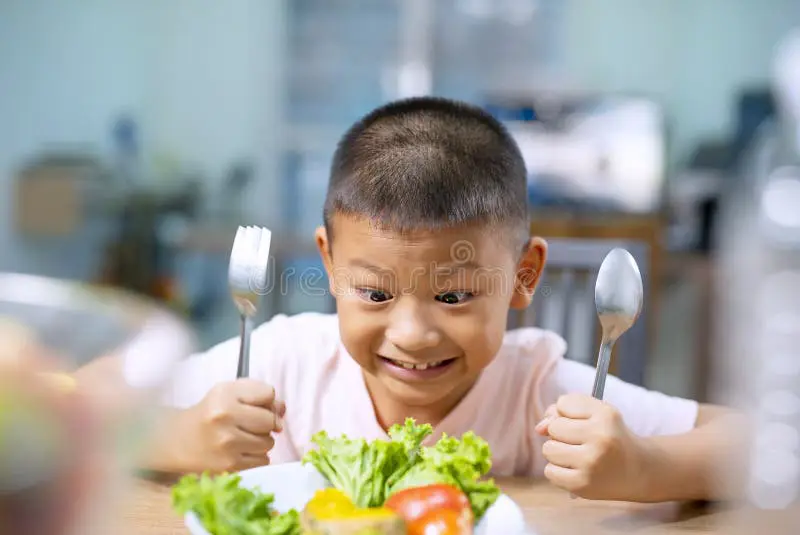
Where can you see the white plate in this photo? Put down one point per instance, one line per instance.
(294, 485)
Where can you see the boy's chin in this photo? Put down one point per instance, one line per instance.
(426, 395)
(417, 395)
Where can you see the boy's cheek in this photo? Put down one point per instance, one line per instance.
(359, 333)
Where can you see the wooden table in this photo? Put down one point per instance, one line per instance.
(549, 510)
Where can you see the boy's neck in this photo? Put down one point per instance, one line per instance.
(388, 411)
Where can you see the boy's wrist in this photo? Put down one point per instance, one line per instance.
(166, 454)
(666, 476)
(647, 485)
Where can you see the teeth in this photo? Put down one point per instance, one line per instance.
(409, 366)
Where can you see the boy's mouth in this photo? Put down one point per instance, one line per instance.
(416, 370)
(412, 366)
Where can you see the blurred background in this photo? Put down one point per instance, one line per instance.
(136, 135)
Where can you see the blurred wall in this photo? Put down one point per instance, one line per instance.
(205, 78)
(201, 77)
(217, 85)
(693, 55)
(66, 68)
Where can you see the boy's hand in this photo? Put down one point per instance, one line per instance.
(231, 428)
(590, 452)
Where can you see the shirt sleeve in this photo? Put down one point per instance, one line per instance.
(645, 412)
(196, 376)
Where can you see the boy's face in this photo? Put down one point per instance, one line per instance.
(424, 314)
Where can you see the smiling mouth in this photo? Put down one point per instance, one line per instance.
(423, 366)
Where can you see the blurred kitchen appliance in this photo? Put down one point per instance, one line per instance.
(591, 152)
(87, 222)
(694, 193)
(141, 255)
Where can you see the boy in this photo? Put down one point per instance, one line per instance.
(426, 246)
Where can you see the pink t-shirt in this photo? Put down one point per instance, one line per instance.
(303, 358)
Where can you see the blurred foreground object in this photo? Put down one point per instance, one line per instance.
(758, 353)
(80, 371)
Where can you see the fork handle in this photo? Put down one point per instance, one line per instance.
(244, 348)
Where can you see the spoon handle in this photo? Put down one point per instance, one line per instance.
(603, 360)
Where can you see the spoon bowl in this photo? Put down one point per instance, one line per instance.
(618, 297)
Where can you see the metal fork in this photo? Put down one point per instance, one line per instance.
(247, 277)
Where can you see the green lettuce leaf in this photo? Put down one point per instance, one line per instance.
(369, 472)
(226, 508)
(410, 435)
(462, 463)
(365, 470)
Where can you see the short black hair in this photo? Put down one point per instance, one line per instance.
(429, 163)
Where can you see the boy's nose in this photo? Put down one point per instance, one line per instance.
(410, 330)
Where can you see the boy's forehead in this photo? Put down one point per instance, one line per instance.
(464, 245)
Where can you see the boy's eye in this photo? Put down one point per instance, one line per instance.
(454, 298)
(376, 296)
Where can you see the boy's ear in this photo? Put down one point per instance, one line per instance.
(529, 271)
(324, 246)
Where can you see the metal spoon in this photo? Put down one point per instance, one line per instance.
(618, 296)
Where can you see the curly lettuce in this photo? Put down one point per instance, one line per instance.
(224, 507)
(462, 463)
(363, 470)
(369, 472)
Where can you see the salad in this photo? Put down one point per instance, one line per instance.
(380, 487)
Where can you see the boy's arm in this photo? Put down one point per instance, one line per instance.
(164, 452)
(203, 409)
(238, 425)
(689, 466)
(637, 444)
(174, 442)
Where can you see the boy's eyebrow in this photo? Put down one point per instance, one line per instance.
(435, 266)
(361, 263)
(448, 266)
